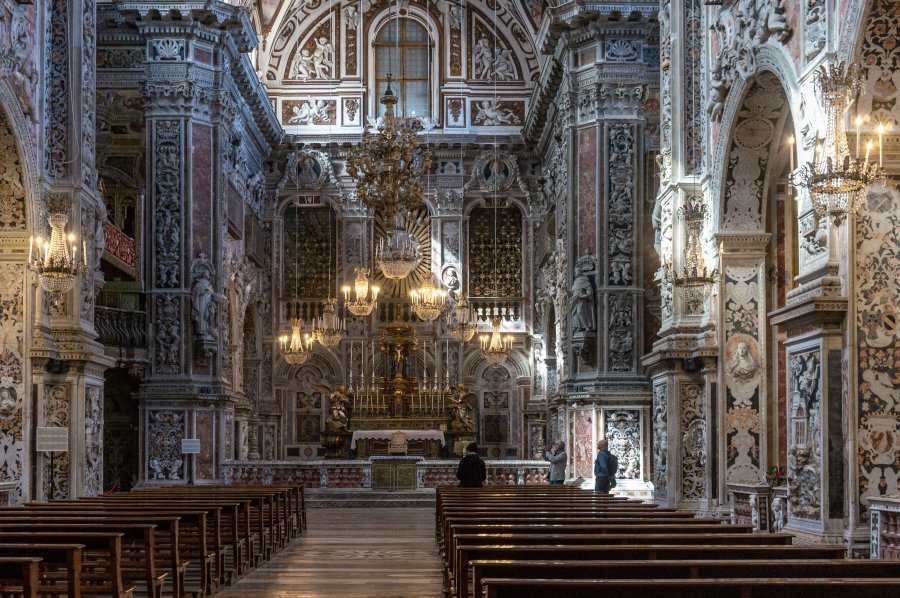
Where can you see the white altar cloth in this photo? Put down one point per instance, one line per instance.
(386, 435)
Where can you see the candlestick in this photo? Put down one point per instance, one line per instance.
(868, 150)
(858, 122)
(84, 252)
(880, 146)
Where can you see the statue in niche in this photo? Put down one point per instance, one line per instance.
(339, 411)
(205, 301)
(7, 401)
(462, 410)
(743, 366)
(582, 303)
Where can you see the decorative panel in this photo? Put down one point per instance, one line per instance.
(12, 196)
(623, 429)
(804, 471)
(878, 338)
(693, 444)
(583, 449)
(93, 441)
(743, 372)
(12, 381)
(495, 252)
(165, 431)
(306, 235)
(621, 203)
(660, 441)
(57, 414)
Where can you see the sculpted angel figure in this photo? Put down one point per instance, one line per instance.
(462, 410)
(490, 113)
(205, 301)
(303, 65)
(339, 411)
(482, 58)
(323, 58)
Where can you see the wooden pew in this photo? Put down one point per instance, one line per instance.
(686, 569)
(138, 544)
(101, 555)
(168, 561)
(55, 558)
(19, 576)
(683, 588)
(457, 578)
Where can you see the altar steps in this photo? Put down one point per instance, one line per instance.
(362, 498)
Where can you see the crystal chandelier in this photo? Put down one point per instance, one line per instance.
(694, 282)
(835, 181)
(428, 301)
(328, 328)
(388, 165)
(363, 302)
(495, 347)
(57, 269)
(295, 348)
(460, 323)
(398, 254)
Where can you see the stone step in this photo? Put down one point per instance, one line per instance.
(368, 498)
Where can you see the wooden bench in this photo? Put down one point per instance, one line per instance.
(55, 558)
(19, 576)
(456, 580)
(101, 557)
(684, 569)
(684, 588)
(138, 565)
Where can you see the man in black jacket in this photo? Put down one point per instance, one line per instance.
(472, 471)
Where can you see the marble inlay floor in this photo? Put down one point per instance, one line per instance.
(383, 553)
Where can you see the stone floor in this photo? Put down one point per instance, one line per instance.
(383, 553)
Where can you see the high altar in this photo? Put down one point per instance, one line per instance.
(395, 405)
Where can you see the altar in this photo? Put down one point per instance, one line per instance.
(377, 443)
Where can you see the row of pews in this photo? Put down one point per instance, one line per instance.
(178, 542)
(551, 541)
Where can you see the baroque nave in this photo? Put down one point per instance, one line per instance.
(330, 243)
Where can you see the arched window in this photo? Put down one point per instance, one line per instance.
(401, 50)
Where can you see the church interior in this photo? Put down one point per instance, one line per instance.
(312, 250)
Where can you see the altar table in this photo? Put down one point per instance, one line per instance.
(386, 435)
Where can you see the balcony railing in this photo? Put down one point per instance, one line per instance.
(121, 327)
(119, 245)
(509, 308)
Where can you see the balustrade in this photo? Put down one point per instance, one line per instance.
(121, 327)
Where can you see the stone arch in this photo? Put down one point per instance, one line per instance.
(756, 114)
(18, 208)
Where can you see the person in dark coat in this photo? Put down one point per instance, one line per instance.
(472, 472)
(603, 465)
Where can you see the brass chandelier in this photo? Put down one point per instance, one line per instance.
(836, 181)
(388, 165)
(694, 282)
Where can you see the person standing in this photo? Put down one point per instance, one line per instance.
(605, 466)
(557, 458)
(471, 472)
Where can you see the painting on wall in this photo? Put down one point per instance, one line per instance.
(494, 429)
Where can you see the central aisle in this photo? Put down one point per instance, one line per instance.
(383, 553)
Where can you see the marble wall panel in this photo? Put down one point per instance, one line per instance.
(12, 381)
(583, 443)
(201, 188)
(744, 374)
(207, 433)
(586, 148)
(878, 341)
